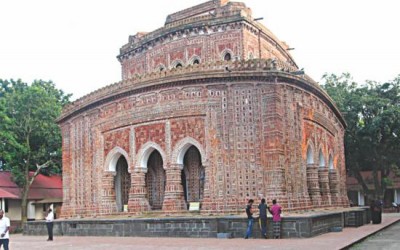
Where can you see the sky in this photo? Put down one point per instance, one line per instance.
(74, 43)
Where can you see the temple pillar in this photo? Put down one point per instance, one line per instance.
(174, 199)
(273, 145)
(313, 184)
(334, 187)
(138, 201)
(277, 188)
(108, 205)
(323, 180)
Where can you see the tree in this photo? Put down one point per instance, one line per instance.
(372, 142)
(30, 140)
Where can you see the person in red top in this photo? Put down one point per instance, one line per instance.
(276, 211)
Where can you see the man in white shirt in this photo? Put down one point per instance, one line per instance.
(49, 224)
(4, 229)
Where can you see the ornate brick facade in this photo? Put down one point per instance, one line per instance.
(209, 110)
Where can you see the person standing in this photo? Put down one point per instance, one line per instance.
(249, 213)
(276, 211)
(4, 230)
(49, 224)
(262, 207)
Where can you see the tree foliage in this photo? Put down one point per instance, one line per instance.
(372, 113)
(29, 136)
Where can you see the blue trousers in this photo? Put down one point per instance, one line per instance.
(4, 242)
(263, 225)
(50, 230)
(249, 228)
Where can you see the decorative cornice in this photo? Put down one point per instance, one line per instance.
(199, 74)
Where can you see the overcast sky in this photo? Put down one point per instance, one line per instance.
(74, 43)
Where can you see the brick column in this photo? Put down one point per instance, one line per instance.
(313, 184)
(273, 140)
(109, 205)
(334, 187)
(324, 186)
(277, 188)
(137, 194)
(174, 198)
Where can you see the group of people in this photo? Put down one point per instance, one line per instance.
(5, 228)
(275, 210)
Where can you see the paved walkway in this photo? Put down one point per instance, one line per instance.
(387, 239)
(327, 241)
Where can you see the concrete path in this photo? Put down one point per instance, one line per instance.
(338, 240)
(387, 239)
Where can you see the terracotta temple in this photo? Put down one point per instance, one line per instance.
(211, 108)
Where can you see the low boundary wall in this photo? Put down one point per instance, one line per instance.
(201, 227)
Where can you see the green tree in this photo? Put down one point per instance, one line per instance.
(30, 140)
(372, 113)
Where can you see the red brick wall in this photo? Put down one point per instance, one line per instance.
(152, 132)
(188, 127)
(119, 138)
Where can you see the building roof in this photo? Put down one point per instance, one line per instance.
(5, 194)
(43, 187)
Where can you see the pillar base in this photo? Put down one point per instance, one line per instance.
(173, 205)
(137, 205)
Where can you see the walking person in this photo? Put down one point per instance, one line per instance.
(262, 207)
(4, 230)
(49, 224)
(250, 219)
(276, 211)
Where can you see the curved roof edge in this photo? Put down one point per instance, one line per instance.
(248, 70)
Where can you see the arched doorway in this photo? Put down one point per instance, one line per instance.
(321, 159)
(122, 183)
(331, 167)
(193, 175)
(227, 57)
(310, 155)
(155, 180)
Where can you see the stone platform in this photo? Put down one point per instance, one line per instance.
(299, 225)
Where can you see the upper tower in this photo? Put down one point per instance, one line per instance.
(216, 30)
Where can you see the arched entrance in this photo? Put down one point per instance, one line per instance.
(155, 180)
(122, 183)
(310, 155)
(193, 175)
(321, 159)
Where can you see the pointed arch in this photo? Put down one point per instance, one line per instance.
(155, 179)
(330, 163)
(122, 183)
(321, 159)
(160, 67)
(145, 152)
(227, 55)
(182, 146)
(177, 64)
(113, 157)
(310, 154)
(195, 60)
